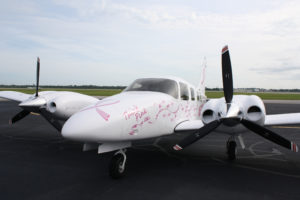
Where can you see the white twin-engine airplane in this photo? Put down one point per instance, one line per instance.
(153, 107)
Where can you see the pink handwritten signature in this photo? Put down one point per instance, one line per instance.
(168, 110)
(134, 111)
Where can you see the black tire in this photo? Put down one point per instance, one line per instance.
(115, 169)
(231, 150)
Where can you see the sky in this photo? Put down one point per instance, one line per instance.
(107, 42)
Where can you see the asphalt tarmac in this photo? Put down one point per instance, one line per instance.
(37, 163)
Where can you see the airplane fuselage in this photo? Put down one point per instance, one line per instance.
(149, 107)
(131, 116)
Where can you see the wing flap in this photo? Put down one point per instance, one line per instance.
(189, 126)
(15, 96)
(282, 119)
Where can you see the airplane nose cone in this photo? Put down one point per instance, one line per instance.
(89, 126)
(69, 130)
(77, 127)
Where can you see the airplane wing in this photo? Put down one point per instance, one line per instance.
(271, 120)
(282, 119)
(189, 126)
(15, 96)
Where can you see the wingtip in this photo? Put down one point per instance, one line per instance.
(294, 147)
(177, 147)
(225, 48)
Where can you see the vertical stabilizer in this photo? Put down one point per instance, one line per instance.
(201, 86)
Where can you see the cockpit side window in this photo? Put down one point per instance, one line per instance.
(166, 86)
(184, 92)
(193, 94)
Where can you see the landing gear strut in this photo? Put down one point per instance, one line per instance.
(117, 164)
(231, 149)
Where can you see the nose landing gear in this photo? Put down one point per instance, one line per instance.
(117, 164)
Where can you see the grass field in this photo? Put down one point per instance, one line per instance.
(109, 92)
(92, 92)
(267, 95)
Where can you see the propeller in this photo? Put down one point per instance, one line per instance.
(232, 115)
(37, 77)
(51, 120)
(269, 135)
(19, 116)
(198, 135)
(31, 104)
(227, 75)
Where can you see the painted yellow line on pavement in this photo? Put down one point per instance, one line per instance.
(296, 127)
(34, 113)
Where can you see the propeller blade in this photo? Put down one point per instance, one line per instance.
(270, 135)
(37, 77)
(19, 116)
(55, 123)
(197, 135)
(227, 75)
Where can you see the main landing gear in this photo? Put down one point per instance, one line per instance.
(117, 164)
(231, 149)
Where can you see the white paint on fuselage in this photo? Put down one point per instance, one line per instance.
(130, 116)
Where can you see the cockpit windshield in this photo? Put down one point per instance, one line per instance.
(166, 86)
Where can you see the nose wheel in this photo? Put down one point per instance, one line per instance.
(117, 164)
(231, 150)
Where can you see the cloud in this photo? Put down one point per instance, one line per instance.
(84, 8)
(276, 70)
(134, 38)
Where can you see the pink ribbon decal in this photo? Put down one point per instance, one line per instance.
(103, 114)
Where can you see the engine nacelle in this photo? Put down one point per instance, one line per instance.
(255, 110)
(250, 108)
(65, 105)
(212, 110)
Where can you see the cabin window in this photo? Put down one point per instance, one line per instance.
(198, 96)
(166, 86)
(192, 94)
(184, 92)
